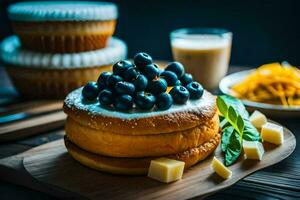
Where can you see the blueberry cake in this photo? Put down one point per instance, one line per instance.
(139, 112)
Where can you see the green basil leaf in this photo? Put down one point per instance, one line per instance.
(236, 104)
(233, 149)
(224, 123)
(240, 123)
(232, 115)
(236, 127)
(250, 133)
(221, 118)
(222, 106)
(225, 137)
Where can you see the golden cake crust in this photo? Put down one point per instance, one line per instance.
(119, 145)
(51, 83)
(135, 166)
(183, 118)
(64, 37)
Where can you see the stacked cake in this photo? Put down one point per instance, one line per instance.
(60, 46)
(138, 113)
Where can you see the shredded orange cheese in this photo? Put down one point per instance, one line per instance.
(271, 83)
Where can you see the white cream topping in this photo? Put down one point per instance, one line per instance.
(74, 99)
(12, 53)
(62, 11)
(201, 42)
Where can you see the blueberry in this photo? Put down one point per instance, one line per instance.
(144, 100)
(160, 71)
(130, 74)
(178, 82)
(140, 83)
(120, 67)
(170, 77)
(101, 86)
(106, 97)
(112, 80)
(150, 71)
(156, 66)
(186, 79)
(164, 101)
(177, 68)
(142, 59)
(90, 91)
(157, 86)
(102, 79)
(124, 87)
(180, 94)
(195, 89)
(123, 102)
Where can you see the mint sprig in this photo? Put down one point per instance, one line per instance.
(236, 126)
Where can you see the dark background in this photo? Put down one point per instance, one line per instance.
(263, 30)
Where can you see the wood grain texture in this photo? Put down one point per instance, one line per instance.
(13, 171)
(12, 149)
(51, 165)
(44, 138)
(31, 107)
(31, 126)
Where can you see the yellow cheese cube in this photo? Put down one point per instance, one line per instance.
(253, 149)
(258, 119)
(166, 170)
(272, 133)
(220, 169)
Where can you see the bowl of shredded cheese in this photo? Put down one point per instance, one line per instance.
(272, 88)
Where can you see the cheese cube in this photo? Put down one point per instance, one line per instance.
(166, 170)
(272, 133)
(220, 169)
(253, 149)
(258, 119)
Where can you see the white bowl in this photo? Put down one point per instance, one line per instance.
(269, 109)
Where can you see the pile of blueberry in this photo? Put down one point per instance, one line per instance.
(143, 84)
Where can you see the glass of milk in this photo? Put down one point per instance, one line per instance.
(205, 53)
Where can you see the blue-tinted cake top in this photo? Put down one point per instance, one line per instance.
(62, 11)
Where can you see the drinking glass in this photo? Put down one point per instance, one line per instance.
(205, 53)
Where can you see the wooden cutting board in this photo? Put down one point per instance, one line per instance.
(24, 119)
(52, 167)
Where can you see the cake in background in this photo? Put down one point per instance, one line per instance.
(63, 27)
(60, 46)
(43, 75)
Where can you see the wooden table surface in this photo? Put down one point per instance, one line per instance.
(281, 181)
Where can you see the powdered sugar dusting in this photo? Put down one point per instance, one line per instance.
(75, 100)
